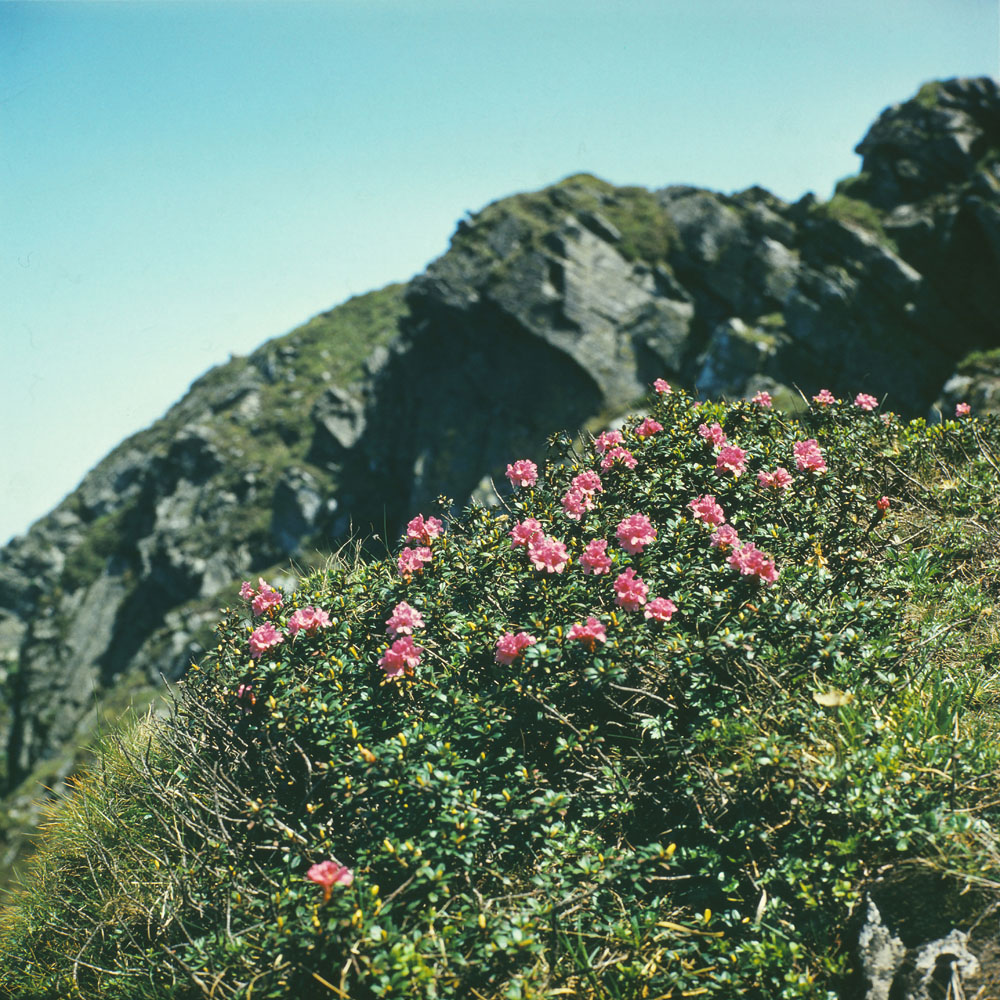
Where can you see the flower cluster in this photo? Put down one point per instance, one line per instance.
(548, 554)
(962, 410)
(510, 646)
(724, 537)
(522, 473)
(424, 530)
(824, 397)
(648, 428)
(780, 479)
(618, 454)
(635, 533)
(594, 559)
(660, 609)
(731, 458)
(662, 387)
(714, 433)
(630, 591)
(808, 457)
(524, 533)
(412, 561)
(706, 509)
(590, 633)
(263, 638)
(308, 620)
(263, 598)
(750, 561)
(328, 874)
(403, 620)
(865, 401)
(607, 440)
(763, 399)
(403, 656)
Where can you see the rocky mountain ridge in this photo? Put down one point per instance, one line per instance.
(550, 310)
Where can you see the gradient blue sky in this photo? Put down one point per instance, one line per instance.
(179, 181)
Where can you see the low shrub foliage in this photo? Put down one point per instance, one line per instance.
(648, 727)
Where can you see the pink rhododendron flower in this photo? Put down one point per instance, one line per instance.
(608, 439)
(618, 454)
(424, 530)
(706, 509)
(763, 399)
(635, 532)
(576, 503)
(247, 591)
(715, 434)
(731, 458)
(588, 482)
(328, 874)
(308, 620)
(824, 397)
(548, 554)
(402, 656)
(630, 591)
(267, 598)
(750, 561)
(593, 558)
(510, 646)
(662, 387)
(962, 410)
(525, 532)
(522, 473)
(777, 480)
(865, 401)
(246, 698)
(883, 503)
(403, 620)
(590, 633)
(648, 428)
(412, 561)
(660, 608)
(263, 638)
(724, 536)
(808, 457)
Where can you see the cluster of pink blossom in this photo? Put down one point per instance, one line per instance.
(713, 433)
(630, 591)
(662, 387)
(660, 608)
(865, 401)
(588, 482)
(308, 620)
(808, 457)
(763, 399)
(962, 410)
(424, 530)
(724, 537)
(635, 533)
(648, 428)
(524, 533)
(246, 698)
(608, 439)
(261, 599)
(522, 473)
(883, 503)
(403, 656)
(732, 459)
(403, 620)
(618, 454)
(412, 561)
(590, 633)
(780, 479)
(705, 508)
(263, 638)
(510, 646)
(548, 554)
(750, 561)
(328, 874)
(580, 496)
(593, 559)
(824, 397)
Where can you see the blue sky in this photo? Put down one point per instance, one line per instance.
(181, 181)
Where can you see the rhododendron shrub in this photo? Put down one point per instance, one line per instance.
(657, 750)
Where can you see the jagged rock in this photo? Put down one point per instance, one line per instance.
(339, 419)
(298, 503)
(880, 953)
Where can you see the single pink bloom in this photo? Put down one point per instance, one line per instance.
(525, 533)
(588, 482)
(706, 509)
(715, 434)
(808, 457)
(618, 454)
(308, 620)
(401, 656)
(865, 401)
(777, 480)
(763, 399)
(548, 554)
(593, 558)
(731, 458)
(635, 532)
(328, 874)
(412, 561)
(403, 620)
(421, 530)
(724, 536)
(263, 638)
(267, 598)
(648, 428)
(576, 503)
(750, 561)
(630, 591)
(247, 591)
(510, 646)
(662, 387)
(608, 439)
(660, 608)
(522, 473)
(589, 634)
(824, 397)
(883, 503)
(962, 410)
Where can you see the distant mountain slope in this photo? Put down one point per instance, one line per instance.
(551, 310)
